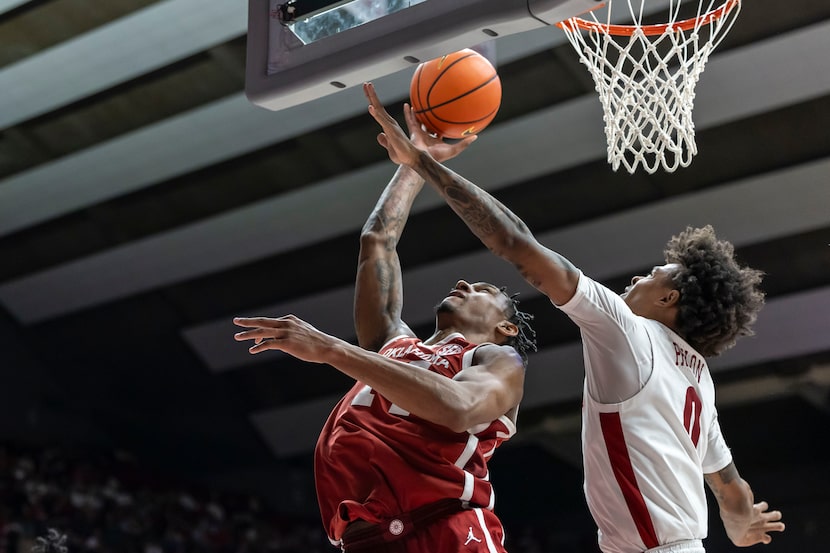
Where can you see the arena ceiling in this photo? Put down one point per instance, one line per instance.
(144, 202)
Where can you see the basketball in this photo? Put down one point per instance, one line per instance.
(455, 95)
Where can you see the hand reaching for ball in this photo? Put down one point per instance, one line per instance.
(402, 149)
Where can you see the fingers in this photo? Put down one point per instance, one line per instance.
(767, 516)
(251, 322)
(257, 334)
(377, 111)
(768, 521)
(375, 107)
(263, 328)
(264, 338)
(774, 515)
(263, 346)
(412, 123)
(369, 91)
(371, 95)
(773, 522)
(468, 140)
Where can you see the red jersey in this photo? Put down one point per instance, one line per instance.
(374, 460)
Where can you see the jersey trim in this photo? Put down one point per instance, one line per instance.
(488, 539)
(612, 433)
(469, 449)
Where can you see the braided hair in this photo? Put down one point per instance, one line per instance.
(719, 300)
(525, 340)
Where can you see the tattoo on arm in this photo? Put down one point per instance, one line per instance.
(379, 296)
(729, 473)
(717, 480)
(392, 210)
(474, 211)
(389, 285)
(479, 210)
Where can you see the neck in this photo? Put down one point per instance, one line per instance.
(669, 321)
(443, 333)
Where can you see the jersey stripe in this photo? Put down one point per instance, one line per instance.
(472, 444)
(488, 539)
(612, 433)
(469, 487)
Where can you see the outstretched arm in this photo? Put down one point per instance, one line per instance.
(746, 523)
(496, 226)
(379, 292)
(478, 394)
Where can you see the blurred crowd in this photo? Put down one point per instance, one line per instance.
(56, 501)
(105, 503)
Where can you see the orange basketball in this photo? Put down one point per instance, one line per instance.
(456, 95)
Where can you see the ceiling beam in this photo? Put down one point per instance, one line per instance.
(7, 5)
(131, 46)
(225, 240)
(799, 207)
(232, 127)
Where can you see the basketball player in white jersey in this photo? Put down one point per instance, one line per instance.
(651, 436)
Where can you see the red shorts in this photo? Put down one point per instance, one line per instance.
(469, 531)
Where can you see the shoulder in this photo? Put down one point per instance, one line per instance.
(487, 354)
(594, 292)
(595, 304)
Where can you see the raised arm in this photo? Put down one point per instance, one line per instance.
(496, 226)
(746, 523)
(488, 389)
(379, 291)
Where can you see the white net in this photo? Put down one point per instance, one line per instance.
(646, 75)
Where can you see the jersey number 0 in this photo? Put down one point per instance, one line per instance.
(691, 414)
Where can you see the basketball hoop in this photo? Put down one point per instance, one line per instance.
(646, 75)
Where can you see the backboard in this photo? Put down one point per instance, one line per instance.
(300, 50)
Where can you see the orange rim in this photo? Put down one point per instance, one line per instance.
(628, 30)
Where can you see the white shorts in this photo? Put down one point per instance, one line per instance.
(685, 546)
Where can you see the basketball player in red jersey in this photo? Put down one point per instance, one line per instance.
(651, 436)
(401, 464)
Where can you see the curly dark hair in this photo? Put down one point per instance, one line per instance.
(525, 340)
(719, 300)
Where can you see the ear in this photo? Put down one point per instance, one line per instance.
(506, 328)
(670, 298)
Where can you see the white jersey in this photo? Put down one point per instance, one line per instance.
(645, 455)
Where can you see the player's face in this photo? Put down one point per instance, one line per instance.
(644, 292)
(481, 304)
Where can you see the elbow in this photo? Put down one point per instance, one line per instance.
(508, 246)
(372, 242)
(455, 416)
(369, 237)
(458, 423)
(461, 416)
